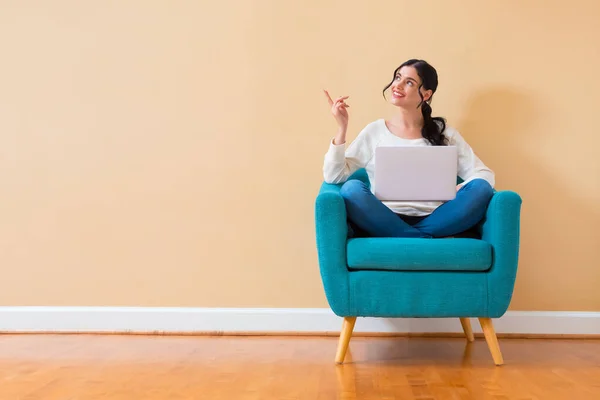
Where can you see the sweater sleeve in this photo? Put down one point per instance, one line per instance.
(340, 163)
(469, 165)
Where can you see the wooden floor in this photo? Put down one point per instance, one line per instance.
(70, 367)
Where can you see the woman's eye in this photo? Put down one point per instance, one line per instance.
(410, 83)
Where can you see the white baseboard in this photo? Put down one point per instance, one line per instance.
(271, 320)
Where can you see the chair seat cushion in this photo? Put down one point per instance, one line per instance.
(409, 254)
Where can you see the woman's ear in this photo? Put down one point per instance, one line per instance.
(427, 95)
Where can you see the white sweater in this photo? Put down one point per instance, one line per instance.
(341, 163)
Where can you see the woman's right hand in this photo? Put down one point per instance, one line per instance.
(339, 110)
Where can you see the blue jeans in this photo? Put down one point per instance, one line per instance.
(368, 214)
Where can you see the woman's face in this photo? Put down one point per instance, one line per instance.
(405, 89)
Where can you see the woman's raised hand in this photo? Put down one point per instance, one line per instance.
(339, 110)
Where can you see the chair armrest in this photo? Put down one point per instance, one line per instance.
(501, 228)
(331, 236)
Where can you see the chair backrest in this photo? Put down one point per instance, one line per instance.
(361, 175)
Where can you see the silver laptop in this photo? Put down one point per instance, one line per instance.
(415, 173)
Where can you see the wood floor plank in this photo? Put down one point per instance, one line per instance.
(54, 367)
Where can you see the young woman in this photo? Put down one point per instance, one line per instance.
(412, 88)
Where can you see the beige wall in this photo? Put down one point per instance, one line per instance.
(168, 153)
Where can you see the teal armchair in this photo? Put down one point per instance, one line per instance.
(458, 277)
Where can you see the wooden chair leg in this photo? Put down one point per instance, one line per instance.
(466, 325)
(491, 339)
(346, 334)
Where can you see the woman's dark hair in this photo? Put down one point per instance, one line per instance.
(433, 128)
